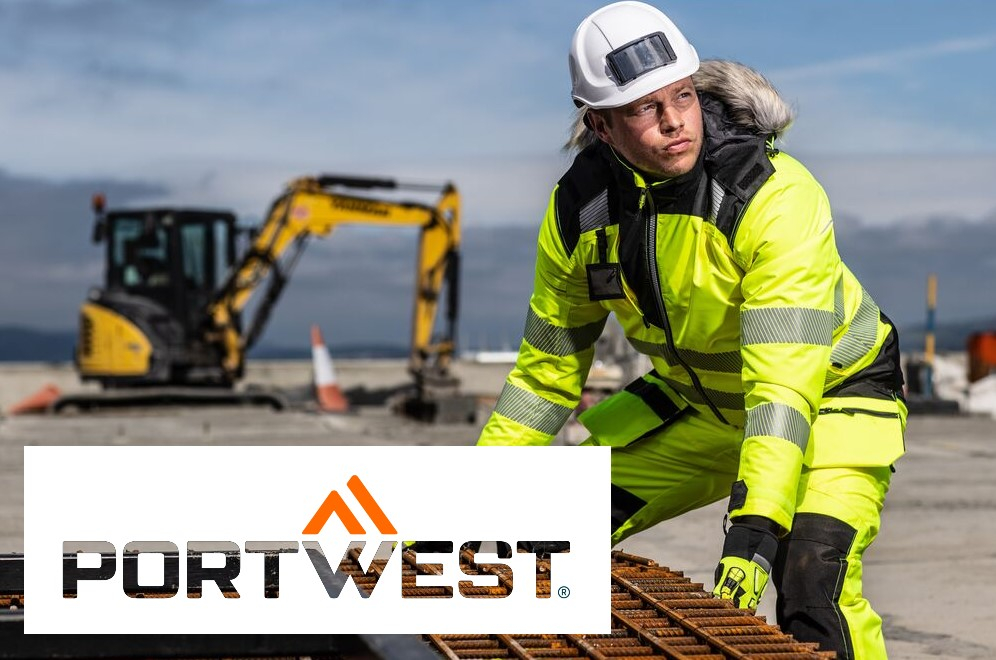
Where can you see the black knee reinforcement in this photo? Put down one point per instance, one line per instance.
(809, 574)
(624, 506)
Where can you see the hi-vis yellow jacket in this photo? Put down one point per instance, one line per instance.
(729, 279)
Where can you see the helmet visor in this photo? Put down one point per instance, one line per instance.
(636, 58)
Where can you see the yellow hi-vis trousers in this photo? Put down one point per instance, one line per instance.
(693, 462)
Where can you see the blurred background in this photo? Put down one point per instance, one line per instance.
(219, 103)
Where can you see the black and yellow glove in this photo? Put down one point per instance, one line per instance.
(748, 553)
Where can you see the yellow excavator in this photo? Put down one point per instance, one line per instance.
(168, 323)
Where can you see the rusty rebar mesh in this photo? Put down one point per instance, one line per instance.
(11, 601)
(656, 613)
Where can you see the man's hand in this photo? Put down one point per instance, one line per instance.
(743, 571)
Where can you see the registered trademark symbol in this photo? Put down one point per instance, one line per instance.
(563, 592)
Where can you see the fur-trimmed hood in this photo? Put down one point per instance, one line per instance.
(750, 100)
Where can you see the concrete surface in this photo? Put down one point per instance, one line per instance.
(19, 380)
(931, 573)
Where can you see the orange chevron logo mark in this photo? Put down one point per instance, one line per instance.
(335, 504)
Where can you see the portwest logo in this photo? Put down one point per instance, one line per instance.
(335, 504)
(293, 541)
(333, 579)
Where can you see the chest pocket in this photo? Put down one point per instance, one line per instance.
(604, 277)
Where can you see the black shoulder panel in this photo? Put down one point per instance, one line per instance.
(583, 191)
(883, 378)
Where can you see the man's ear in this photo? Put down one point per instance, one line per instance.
(598, 123)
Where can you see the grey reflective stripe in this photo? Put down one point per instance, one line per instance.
(728, 400)
(555, 340)
(530, 410)
(716, 194)
(860, 337)
(595, 213)
(838, 304)
(727, 363)
(786, 325)
(779, 421)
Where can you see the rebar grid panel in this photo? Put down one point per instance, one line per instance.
(656, 613)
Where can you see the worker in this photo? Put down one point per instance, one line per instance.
(775, 378)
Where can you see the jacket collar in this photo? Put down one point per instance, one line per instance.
(735, 156)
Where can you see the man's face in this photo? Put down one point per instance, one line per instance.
(661, 133)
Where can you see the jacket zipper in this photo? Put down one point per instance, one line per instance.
(859, 411)
(650, 215)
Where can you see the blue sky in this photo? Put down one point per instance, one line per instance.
(221, 102)
(226, 100)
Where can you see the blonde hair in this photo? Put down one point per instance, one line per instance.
(580, 135)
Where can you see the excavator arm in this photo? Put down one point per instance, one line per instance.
(315, 206)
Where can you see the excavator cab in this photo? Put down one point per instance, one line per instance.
(177, 258)
(163, 266)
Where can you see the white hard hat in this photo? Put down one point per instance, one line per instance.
(624, 51)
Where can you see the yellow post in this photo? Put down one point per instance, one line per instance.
(929, 342)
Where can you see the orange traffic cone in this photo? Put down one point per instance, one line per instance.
(38, 402)
(327, 390)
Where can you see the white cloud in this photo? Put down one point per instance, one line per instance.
(892, 60)
(328, 83)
